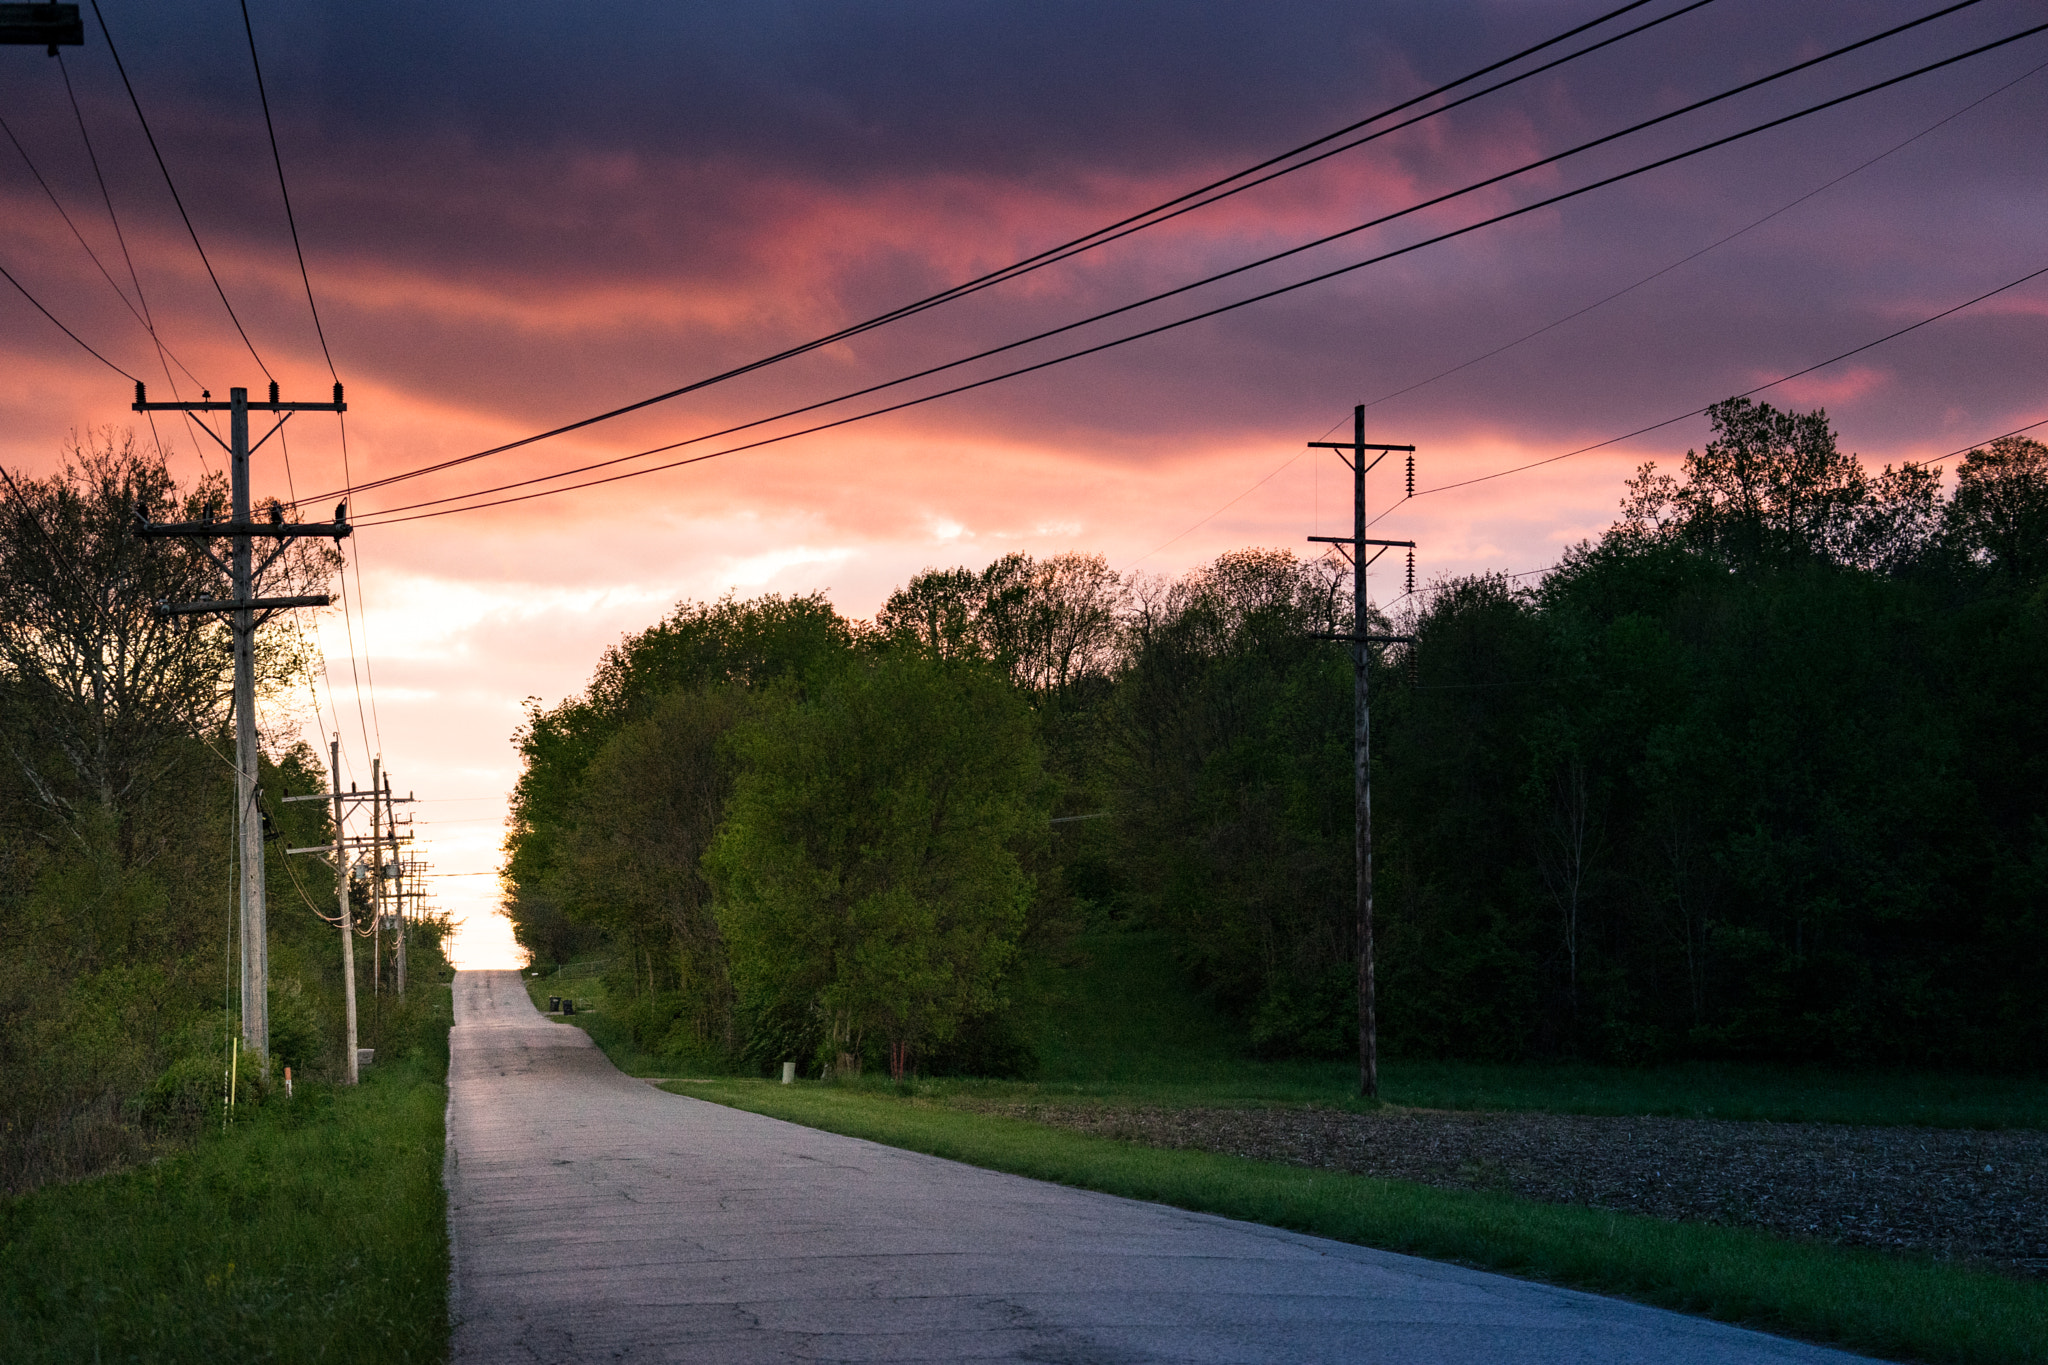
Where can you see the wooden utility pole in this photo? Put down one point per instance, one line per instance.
(377, 875)
(348, 924)
(246, 612)
(397, 891)
(347, 920)
(340, 850)
(1362, 640)
(412, 893)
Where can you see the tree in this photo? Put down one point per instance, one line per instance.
(1051, 624)
(1999, 515)
(700, 645)
(100, 688)
(1774, 488)
(868, 875)
(644, 815)
(1228, 760)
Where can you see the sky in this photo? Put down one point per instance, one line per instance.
(515, 216)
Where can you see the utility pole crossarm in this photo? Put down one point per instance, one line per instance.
(1354, 540)
(216, 530)
(1355, 445)
(43, 25)
(252, 604)
(206, 403)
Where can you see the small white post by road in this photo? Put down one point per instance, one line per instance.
(788, 1072)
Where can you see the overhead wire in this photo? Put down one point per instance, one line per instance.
(83, 344)
(320, 331)
(1599, 303)
(163, 354)
(1746, 393)
(172, 185)
(1207, 280)
(290, 219)
(1236, 270)
(58, 204)
(1711, 246)
(384, 516)
(1122, 227)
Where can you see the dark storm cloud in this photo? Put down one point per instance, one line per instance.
(479, 184)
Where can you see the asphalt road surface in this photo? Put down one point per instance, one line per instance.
(596, 1218)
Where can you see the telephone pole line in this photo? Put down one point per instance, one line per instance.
(377, 876)
(335, 797)
(1362, 640)
(246, 612)
(412, 888)
(398, 866)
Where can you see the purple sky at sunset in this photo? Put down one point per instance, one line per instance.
(517, 215)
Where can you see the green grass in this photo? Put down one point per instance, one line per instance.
(608, 1030)
(313, 1229)
(1895, 1306)
(1125, 1026)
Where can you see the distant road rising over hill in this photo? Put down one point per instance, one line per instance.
(596, 1218)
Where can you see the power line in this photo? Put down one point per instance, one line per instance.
(1151, 217)
(388, 519)
(1711, 246)
(357, 560)
(1602, 302)
(1746, 393)
(284, 193)
(349, 625)
(127, 85)
(1251, 265)
(62, 328)
(1979, 445)
(58, 204)
(320, 331)
(163, 354)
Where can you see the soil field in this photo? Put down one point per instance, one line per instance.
(1980, 1196)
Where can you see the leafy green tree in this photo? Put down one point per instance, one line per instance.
(869, 875)
(100, 690)
(1999, 515)
(1775, 488)
(1228, 762)
(642, 820)
(1054, 625)
(742, 644)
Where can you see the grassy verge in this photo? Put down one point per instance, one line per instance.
(1892, 1306)
(1124, 1025)
(313, 1229)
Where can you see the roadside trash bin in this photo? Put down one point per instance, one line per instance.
(554, 1004)
(568, 1005)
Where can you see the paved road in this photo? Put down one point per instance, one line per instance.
(596, 1218)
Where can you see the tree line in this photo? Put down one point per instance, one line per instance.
(1760, 772)
(117, 900)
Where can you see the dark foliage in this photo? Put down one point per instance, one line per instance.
(116, 815)
(1760, 773)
